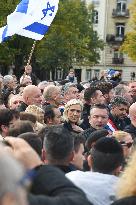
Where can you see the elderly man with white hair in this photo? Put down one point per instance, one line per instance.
(9, 87)
(52, 95)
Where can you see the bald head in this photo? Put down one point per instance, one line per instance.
(32, 95)
(132, 114)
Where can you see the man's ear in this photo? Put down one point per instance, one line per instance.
(71, 156)
(89, 160)
(106, 96)
(4, 128)
(44, 156)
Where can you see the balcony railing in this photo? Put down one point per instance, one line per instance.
(119, 38)
(110, 38)
(117, 60)
(118, 13)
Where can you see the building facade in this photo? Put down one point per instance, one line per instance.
(111, 23)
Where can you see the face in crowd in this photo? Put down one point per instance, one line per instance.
(72, 93)
(28, 69)
(120, 111)
(74, 113)
(98, 118)
(32, 95)
(98, 98)
(132, 87)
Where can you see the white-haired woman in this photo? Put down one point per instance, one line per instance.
(72, 115)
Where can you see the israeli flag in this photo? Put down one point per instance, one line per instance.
(31, 18)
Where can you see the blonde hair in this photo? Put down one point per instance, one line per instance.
(119, 135)
(37, 111)
(68, 105)
(127, 182)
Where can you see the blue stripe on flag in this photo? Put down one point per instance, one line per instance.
(23, 6)
(37, 28)
(4, 33)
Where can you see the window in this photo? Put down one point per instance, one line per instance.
(88, 75)
(118, 54)
(59, 74)
(95, 2)
(95, 17)
(96, 74)
(120, 29)
(121, 5)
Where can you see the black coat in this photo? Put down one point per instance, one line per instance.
(120, 124)
(51, 187)
(85, 116)
(22, 107)
(132, 130)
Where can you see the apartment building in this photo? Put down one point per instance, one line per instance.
(111, 22)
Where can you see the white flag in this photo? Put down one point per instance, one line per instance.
(31, 18)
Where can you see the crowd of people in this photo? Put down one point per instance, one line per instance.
(67, 143)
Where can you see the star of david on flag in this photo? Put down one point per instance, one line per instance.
(31, 18)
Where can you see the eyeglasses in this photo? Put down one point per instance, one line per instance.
(129, 144)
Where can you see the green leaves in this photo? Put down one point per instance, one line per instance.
(70, 39)
(129, 45)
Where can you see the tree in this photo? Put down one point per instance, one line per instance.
(129, 45)
(71, 39)
(16, 49)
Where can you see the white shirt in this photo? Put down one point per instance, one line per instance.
(99, 188)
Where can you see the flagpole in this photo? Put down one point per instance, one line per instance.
(31, 53)
(29, 58)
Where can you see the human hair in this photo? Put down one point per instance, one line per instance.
(120, 90)
(94, 136)
(104, 86)
(33, 140)
(107, 155)
(42, 83)
(48, 92)
(67, 86)
(5, 117)
(78, 139)
(49, 113)
(120, 135)
(117, 101)
(99, 106)
(7, 79)
(41, 133)
(67, 107)
(58, 144)
(21, 127)
(90, 93)
(28, 116)
(39, 112)
(15, 113)
(127, 182)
